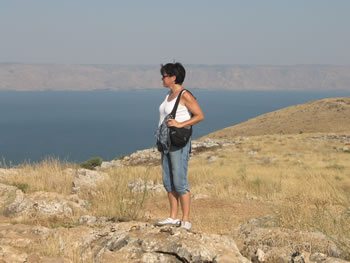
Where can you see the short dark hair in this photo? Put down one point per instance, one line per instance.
(174, 69)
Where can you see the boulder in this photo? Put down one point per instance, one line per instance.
(6, 193)
(280, 244)
(43, 204)
(140, 185)
(141, 242)
(146, 157)
(87, 180)
(112, 164)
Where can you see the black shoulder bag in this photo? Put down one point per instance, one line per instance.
(179, 136)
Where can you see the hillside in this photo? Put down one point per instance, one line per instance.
(330, 115)
(284, 196)
(227, 77)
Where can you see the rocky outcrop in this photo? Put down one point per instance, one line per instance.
(140, 185)
(150, 157)
(87, 180)
(141, 242)
(116, 242)
(143, 157)
(42, 204)
(261, 240)
(6, 193)
(111, 164)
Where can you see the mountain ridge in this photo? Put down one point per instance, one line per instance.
(213, 77)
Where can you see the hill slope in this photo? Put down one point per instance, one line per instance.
(327, 115)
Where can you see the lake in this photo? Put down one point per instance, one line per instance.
(78, 125)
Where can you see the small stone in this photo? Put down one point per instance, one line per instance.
(259, 256)
(318, 257)
(199, 196)
(86, 219)
(212, 159)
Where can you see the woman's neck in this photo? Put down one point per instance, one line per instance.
(175, 88)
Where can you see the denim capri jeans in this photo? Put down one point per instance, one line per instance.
(174, 166)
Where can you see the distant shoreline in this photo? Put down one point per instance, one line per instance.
(43, 77)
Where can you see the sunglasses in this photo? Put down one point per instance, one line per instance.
(165, 76)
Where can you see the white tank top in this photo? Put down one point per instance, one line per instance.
(182, 113)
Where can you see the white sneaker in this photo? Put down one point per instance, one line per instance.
(186, 225)
(169, 221)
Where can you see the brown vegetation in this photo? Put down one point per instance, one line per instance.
(327, 115)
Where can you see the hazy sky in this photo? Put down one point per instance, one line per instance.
(279, 32)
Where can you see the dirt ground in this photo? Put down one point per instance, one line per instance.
(209, 215)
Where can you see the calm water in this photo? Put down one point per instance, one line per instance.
(77, 126)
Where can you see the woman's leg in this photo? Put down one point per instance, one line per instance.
(174, 204)
(169, 186)
(179, 163)
(185, 206)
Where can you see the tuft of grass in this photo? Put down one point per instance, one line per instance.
(336, 167)
(113, 198)
(242, 173)
(49, 175)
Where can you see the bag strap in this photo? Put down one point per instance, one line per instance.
(173, 112)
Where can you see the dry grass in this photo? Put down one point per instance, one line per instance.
(305, 182)
(48, 176)
(114, 198)
(326, 115)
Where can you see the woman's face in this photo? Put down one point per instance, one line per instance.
(167, 80)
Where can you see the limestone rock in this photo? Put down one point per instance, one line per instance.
(44, 204)
(6, 192)
(150, 157)
(111, 164)
(144, 157)
(259, 256)
(140, 185)
(199, 196)
(140, 242)
(87, 180)
(280, 244)
(92, 220)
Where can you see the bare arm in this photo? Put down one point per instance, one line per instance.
(191, 103)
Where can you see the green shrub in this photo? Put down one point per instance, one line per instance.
(92, 163)
(21, 186)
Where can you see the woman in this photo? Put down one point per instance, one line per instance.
(175, 162)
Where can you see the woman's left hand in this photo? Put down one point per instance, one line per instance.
(174, 123)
